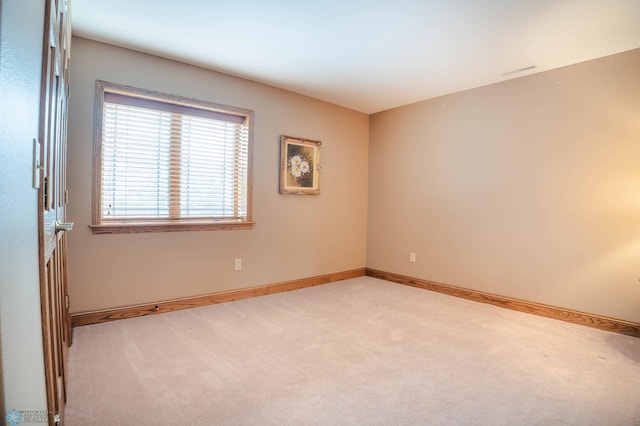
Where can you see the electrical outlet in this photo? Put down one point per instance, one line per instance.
(238, 264)
(412, 257)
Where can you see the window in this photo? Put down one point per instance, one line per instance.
(167, 163)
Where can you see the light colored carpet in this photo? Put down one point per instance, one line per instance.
(357, 352)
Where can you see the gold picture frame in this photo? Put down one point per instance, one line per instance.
(299, 166)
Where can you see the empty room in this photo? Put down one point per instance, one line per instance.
(317, 213)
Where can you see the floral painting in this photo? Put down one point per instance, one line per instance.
(299, 166)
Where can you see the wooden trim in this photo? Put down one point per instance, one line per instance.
(96, 195)
(161, 103)
(152, 95)
(249, 123)
(133, 228)
(105, 315)
(575, 317)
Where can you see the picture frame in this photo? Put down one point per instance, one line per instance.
(299, 166)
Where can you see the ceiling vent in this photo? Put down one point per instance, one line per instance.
(530, 67)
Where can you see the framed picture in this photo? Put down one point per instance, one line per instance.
(299, 166)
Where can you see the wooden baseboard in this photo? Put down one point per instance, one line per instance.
(105, 315)
(576, 317)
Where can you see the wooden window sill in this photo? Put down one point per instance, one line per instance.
(140, 227)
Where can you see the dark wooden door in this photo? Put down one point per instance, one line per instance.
(52, 198)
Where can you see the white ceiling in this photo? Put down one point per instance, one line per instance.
(368, 55)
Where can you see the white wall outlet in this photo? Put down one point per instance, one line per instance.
(238, 265)
(412, 257)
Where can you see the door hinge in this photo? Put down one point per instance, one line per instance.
(66, 196)
(45, 190)
(66, 299)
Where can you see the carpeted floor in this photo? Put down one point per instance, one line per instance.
(356, 352)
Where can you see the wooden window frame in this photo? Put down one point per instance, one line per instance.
(180, 103)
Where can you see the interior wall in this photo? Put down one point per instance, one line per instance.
(529, 188)
(22, 383)
(294, 236)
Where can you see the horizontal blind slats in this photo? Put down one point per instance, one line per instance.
(169, 165)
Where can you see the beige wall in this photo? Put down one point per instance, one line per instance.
(294, 236)
(529, 188)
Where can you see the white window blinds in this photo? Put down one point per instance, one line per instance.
(171, 162)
